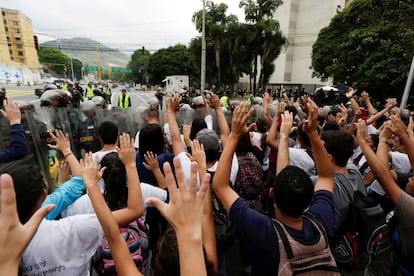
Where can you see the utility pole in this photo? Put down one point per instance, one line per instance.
(99, 62)
(203, 50)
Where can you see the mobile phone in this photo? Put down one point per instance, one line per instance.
(364, 113)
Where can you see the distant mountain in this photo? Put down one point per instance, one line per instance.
(87, 51)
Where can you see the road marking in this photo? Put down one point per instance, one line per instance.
(21, 92)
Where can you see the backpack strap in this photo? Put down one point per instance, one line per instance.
(318, 224)
(358, 158)
(344, 182)
(284, 238)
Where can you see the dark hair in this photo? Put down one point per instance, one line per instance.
(212, 155)
(244, 145)
(339, 144)
(108, 131)
(292, 109)
(153, 113)
(262, 126)
(167, 261)
(197, 125)
(151, 138)
(375, 139)
(293, 191)
(116, 189)
(331, 125)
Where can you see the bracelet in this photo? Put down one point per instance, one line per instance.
(67, 155)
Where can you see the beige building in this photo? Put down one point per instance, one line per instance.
(18, 55)
(300, 21)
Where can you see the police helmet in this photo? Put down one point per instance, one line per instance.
(55, 98)
(88, 106)
(257, 100)
(153, 100)
(99, 101)
(50, 86)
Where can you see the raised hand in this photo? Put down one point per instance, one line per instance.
(11, 111)
(197, 154)
(361, 131)
(240, 116)
(126, 151)
(311, 123)
(14, 237)
(286, 126)
(151, 161)
(90, 170)
(214, 101)
(62, 141)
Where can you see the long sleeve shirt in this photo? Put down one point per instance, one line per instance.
(18, 145)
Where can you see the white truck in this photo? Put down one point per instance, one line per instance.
(176, 83)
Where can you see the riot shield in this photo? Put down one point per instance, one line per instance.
(185, 115)
(88, 132)
(38, 137)
(125, 118)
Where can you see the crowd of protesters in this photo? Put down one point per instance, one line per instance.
(257, 187)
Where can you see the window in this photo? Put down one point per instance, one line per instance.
(6, 29)
(10, 51)
(22, 60)
(17, 31)
(19, 46)
(17, 38)
(15, 23)
(20, 53)
(3, 13)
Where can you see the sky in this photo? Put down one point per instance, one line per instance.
(126, 25)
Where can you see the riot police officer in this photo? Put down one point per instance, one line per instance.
(88, 132)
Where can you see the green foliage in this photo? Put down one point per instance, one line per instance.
(369, 44)
(137, 64)
(55, 61)
(173, 60)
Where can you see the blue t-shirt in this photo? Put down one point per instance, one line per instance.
(256, 231)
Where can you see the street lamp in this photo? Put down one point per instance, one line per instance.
(203, 50)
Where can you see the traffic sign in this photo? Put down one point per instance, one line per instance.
(120, 70)
(93, 68)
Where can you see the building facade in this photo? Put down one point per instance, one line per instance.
(300, 21)
(19, 62)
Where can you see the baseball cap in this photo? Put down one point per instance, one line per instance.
(208, 138)
(28, 184)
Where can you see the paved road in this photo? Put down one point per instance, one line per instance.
(26, 93)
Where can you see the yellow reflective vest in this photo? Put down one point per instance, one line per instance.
(89, 92)
(124, 104)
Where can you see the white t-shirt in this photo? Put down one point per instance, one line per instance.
(83, 205)
(257, 137)
(63, 247)
(400, 162)
(234, 169)
(300, 158)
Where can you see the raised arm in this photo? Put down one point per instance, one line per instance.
(391, 102)
(173, 104)
(63, 145)
(398, 128)
(119, 250)
(152, 164)
(18, 143)
(380, 170)
(135, 205)
(323, 164)
(273, 133)
(184, 212)
(209, 234)
(283, 152)
(221, 180)
(214, 103)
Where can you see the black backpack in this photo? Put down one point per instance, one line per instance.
(225, 232)
(365, 234)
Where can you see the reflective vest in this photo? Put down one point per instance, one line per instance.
(225, 101)
(64, 87)
(124, 104)
(108, 91)
(89, 92)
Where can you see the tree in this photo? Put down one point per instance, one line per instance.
(266, 41)
(54, 60)
(174, 60)
(138, 63)
(369, 44)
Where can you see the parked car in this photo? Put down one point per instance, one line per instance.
(44, 87)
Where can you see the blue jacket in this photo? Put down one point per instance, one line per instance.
(18, 145)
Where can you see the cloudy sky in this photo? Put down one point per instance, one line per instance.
(122, 24)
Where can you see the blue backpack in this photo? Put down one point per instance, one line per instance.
(136, 237)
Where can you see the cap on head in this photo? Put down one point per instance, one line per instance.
(208, 138)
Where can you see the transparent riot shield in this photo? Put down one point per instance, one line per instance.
(124, 118)
(38, 137)
(185, 115)
(89, 140)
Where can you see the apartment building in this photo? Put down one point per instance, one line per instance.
(19, 61)
(300, 21)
